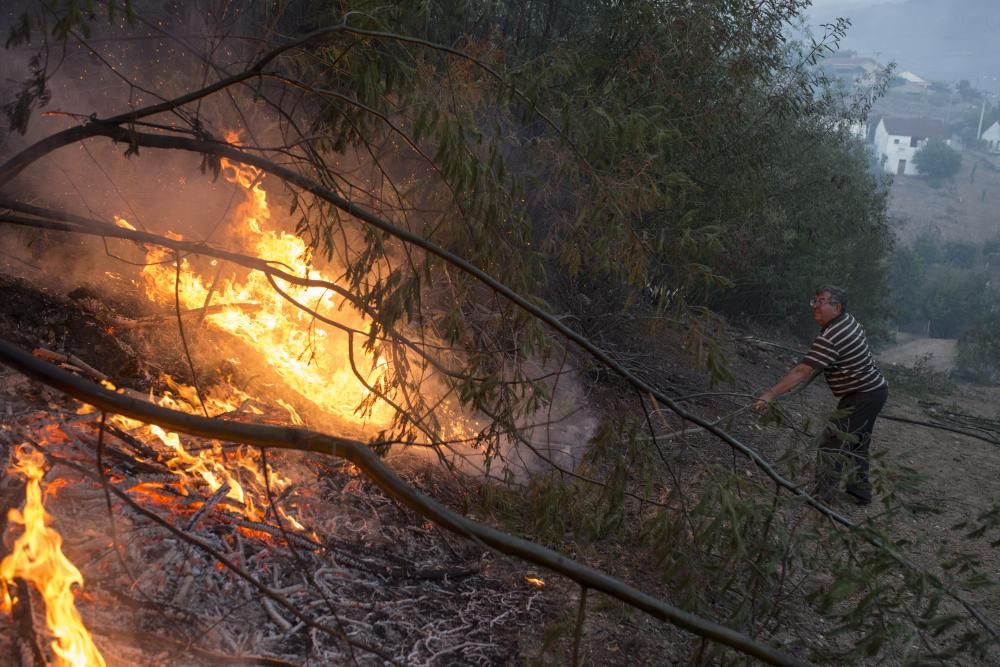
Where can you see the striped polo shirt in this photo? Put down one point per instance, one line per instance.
(841, 351)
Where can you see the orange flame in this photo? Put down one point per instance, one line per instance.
(316, 362)
(37, 557)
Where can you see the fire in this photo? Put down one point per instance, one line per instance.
(123, 223)
(209, 466)
(315, 362)
(37, 557)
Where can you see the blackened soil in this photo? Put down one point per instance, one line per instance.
(32, 317)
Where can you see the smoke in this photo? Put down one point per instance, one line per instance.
(120, 68)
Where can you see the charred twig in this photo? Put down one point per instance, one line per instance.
(71, 360)
(180, 330)
(208, 297)
(437, 574)
(208, 506)
(167, 610)
(134, 443)
(28, 650)
(107, 488)
(289, 537)
(278, 619)
(128, 465)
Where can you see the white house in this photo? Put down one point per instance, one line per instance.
(898, 139)
(914, 80)
(992, 137)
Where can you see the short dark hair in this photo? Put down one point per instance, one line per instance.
(837, 295)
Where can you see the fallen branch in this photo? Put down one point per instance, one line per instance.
(291, 438)
(942, 427)
(221, 149)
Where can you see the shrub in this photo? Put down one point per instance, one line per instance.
(979, 351)
(938, 160)
(919, 380)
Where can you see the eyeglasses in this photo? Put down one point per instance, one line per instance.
(813, 302)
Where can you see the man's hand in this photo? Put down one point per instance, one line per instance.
(762, 403)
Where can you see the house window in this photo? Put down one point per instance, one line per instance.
(895, 141)
(913, 142)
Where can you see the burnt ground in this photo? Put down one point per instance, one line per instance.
(434, 598)
(399, 587)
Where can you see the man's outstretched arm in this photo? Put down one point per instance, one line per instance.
(793, 378)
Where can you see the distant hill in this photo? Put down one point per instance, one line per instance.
(944, 40)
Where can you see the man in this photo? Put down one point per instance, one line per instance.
(841, 351)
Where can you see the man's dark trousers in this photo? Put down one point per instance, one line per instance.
(855, 417)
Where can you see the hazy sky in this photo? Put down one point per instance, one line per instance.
(939, 40)
(863, 3)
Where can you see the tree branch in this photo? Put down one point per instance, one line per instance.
(357, 453)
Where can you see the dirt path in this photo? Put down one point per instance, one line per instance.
(937, 354)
